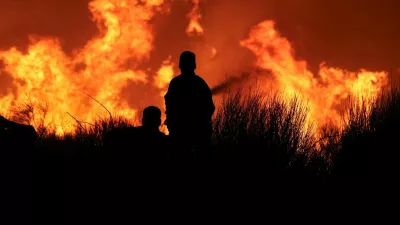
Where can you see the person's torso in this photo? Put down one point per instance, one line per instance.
(190, 97)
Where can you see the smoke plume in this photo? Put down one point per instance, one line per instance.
(231, 81)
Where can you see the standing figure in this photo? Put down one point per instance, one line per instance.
(189, 110)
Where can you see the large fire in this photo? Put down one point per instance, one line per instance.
(325, 92)
(101, 68)
(45, 74)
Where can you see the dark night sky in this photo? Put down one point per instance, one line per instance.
(347, 33)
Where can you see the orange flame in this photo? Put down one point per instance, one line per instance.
(164, 75)
(214, 53)
(324, 92)
(194, 27)
(102, 68)
(161, 81)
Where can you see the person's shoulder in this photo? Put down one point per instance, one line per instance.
(201, 81)
(175, 81)
(199, 78)
(176, 78)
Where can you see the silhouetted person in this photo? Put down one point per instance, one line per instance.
(189, 110)
(142, 143)
(152, 141)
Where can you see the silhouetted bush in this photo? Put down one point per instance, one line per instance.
(369, 141)
(95, 132)
(262, 128)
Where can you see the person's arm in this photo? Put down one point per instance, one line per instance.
(209, 104)
(170, 96)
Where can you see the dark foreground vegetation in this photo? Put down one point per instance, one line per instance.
(256, 138)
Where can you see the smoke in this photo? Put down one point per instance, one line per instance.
(236, 80)
(229, 82)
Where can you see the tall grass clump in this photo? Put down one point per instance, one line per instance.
(96, 131)
(355, 138)
(369, 142)
(263, 128)
(34, 113)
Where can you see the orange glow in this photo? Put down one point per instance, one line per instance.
(161, 81)
(214, 53)
(194, 27)
(324, 92)
(47, 75)
(164, 74)
(105, 65)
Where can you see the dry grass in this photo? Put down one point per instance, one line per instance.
(255, 127)
(259, 127)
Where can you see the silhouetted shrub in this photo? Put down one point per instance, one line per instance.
(263, 128)
(369, 141)
(95, 132)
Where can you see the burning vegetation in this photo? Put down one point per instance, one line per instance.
(55, 82)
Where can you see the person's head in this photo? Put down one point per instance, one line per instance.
(187, 62)
(151, 117)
